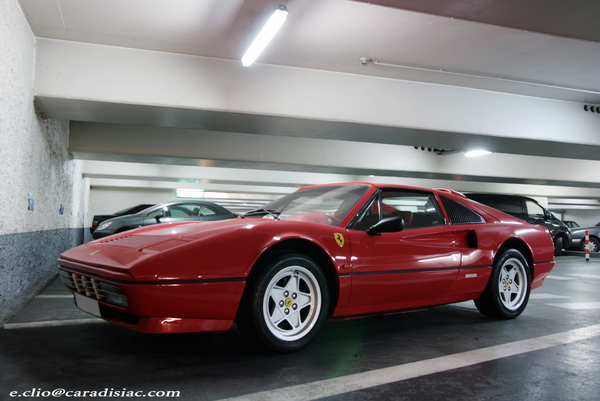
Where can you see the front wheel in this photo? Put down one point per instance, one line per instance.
(507, 292)
(558, 246)
(286, 305)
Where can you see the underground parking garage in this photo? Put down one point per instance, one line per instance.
(100, 113)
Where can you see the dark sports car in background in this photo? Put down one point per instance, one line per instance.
(579, 238)
(169, 212)
(99, 218)
(327, 251)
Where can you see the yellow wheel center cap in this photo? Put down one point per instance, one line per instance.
(289, 302)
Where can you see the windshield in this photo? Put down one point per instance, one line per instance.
(324, 205)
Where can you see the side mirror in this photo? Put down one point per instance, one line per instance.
(157, 216)
(387, 225)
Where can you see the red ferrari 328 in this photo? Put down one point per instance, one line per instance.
(325, 251)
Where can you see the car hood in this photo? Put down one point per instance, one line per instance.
(189, 230)
(171, 251)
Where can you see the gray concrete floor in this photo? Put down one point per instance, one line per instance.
(551, 352)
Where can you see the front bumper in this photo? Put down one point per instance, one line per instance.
(158, 307)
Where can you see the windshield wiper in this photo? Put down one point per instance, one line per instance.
(262, 212)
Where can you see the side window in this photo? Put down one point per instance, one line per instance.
(156, 212)
(417, 209)
(510, 205)
(368, 217)
(534, 210)
(184, 210)
(179, 211)
(207, 211)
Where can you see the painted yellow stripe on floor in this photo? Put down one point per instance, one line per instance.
(361, 381)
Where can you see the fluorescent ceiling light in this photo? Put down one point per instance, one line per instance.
(475, 153)
(190, 193)
(265, 35)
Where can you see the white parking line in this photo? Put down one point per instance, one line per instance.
(578, 305)
(553, 277)
(360, 381)
(546, 296)
(465, 304)
(584, 275)
(70, 296)
(51, 323)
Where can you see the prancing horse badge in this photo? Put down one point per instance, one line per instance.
(339, 238)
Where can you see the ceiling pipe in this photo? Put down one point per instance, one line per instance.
(366, 60)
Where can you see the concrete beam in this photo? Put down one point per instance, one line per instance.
(219, 149)
(175, 90)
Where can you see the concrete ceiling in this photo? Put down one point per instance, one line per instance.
(546, 49)
(577, 19)
(441, 38)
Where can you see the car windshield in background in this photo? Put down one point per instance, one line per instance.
(334, 202)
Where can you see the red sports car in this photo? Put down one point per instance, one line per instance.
(325, 251)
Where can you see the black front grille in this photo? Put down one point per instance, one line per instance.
(88, 286)
(110, 313)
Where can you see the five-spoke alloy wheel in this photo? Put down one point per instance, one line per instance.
(286, 305)
(507, 292)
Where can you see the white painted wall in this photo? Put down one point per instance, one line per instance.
(585, 218)
(110, 200)
(34, 164)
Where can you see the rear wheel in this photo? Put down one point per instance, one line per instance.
(507, 292)
(286, 305)
(594, 245)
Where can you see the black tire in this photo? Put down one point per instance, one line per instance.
(558, 246)
(286, 305)
(508, 289)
